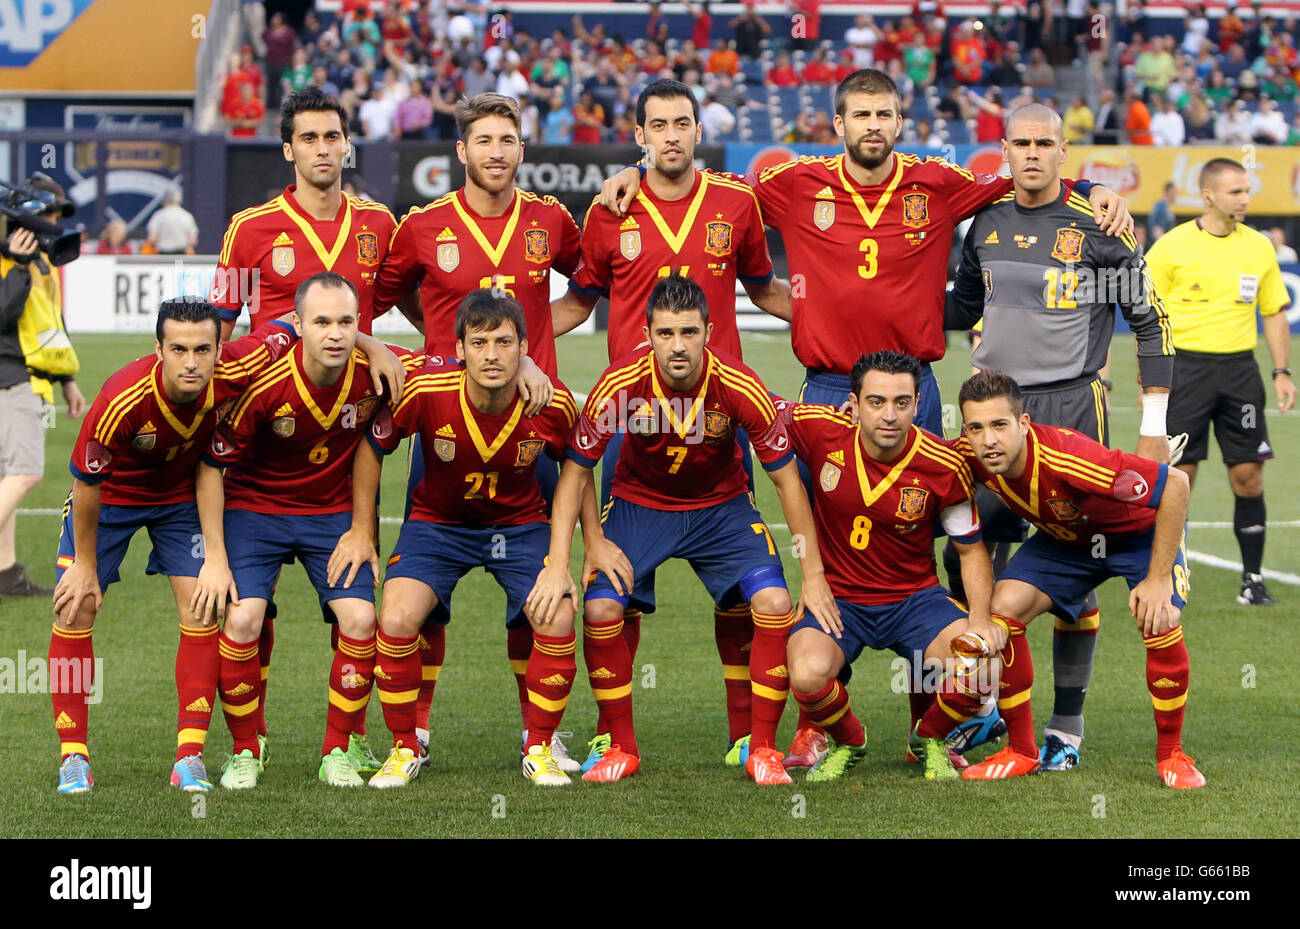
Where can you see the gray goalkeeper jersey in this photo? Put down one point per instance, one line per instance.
(1045, 280)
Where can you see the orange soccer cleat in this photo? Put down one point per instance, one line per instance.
(764, 766)
(613, 766)
(1000, 765)
(1179, 772)
(808, 748)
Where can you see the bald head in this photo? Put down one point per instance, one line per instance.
(1036, 115)
(1034, 150)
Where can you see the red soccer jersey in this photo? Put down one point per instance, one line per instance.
(141, 447)
(1074, 488)
(269, 250)
(712, 235)
(449, 250)
(679, 451)
(288, 444)
(876, 520)
(478, 468)
(868, 265)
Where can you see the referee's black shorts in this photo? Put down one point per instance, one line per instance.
(1227, 390)
(1080, 405)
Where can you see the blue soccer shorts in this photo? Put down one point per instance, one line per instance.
(906, 627)
(173, 531)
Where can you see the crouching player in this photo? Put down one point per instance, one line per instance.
(133, 468)
(477, 505)
(680, 491)
(882, 486)
(1100, 514)
(288, 445)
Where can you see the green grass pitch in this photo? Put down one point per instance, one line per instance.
(1239, 722)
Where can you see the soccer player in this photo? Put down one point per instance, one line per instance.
(1044, 279)
(132, 468)
(883, 487)
(478, 504)
(487, 234)
(288, 445)
(1212, 273)
(680, 492)
(704, 226)
(1100, 513)
(269, 250)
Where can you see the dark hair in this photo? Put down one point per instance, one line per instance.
(187, 309)
(1213, 169)
(989, 385)
(311, 99)
(330, 279)
(887, 361)
(866, 81)
(665, 89)
(487, 309)
(487, 103)
(676, 294)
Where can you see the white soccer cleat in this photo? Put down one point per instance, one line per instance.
(400, 768)
(542, 769)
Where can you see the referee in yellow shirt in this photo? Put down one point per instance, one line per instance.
(1211, 274)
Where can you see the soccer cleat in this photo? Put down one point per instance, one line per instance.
(74, 775)
(764, 766)
(1177, 445)
(809, 747)
(738, 754)
(561, 753)
(1179, 772)
(543, 769)
(190, 775)
(976, 731)
(1057, 754)
(400, 768)
(958, 761)
(424, 748)
(596, 749)
(836, 762)
(360, 756)
(1253, 592)
(934, 754)
(263, 752)
(336, 770)
(1001, 765)
(241, 772)
(614, 765)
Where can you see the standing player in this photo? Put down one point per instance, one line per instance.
(1036, 268)
(704, 226)
(883, 487)
(487, 234)
(1100, 514)
(268, 252)
(478, 504)
(680, 492)
(133, 467)
(288, 445)
(1211, 273)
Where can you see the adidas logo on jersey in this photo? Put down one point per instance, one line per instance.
(778, 671)
(284, 410)
(446, 432)
(836, 457)
(282, 239)
(147, 427)
(992, 238)
(629, 223)
(446, 235)
(602, 673)
(200, 705)
(1165, 682)
(243, 688)
(555, 680)
(64, 721)
(825, 193)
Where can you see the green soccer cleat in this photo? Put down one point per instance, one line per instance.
(336, 770)
(738, 754)
(836, 762)
(360, 756)
(241, 772)
(933, 755)
(263, 752)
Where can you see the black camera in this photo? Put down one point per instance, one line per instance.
(25, 207)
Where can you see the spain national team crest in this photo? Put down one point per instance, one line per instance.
(448, 256)
(366, 408)
(1069, 245)
(911, 502)
(529, 450)
(1065, 510)
(916, 210)
(717, 239)
(716, 424)
(629, 244)
(282, 260)
(537, 245)
(830, 477)
(367, 248)
(445, 449)
(283, 426)
(823, 214)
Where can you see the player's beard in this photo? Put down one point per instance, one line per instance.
(854, 152)
(479, 178)
(673, 172)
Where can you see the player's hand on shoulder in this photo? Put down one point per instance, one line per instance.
(1110, 210)
(354, 548)
(553, 584)
(216, 586)
(535, 387)
(618, 192)
(387, 374)
(815, 597)
(604, 556)
(77, 583)
(1151, 606)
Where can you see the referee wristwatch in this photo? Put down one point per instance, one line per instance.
(1277, 371)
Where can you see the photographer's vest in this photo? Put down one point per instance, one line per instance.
(47, 351)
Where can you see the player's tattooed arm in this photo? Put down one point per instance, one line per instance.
(814, 593)
(598, 552)
(535, 386)
(357, 546)
(772, 297)
(554, 582)
(386, 371)
(571, 311)
(81, 580)
(977, 575)
(215, 583)
(1149, 601)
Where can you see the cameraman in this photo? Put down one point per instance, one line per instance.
(25, 278)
